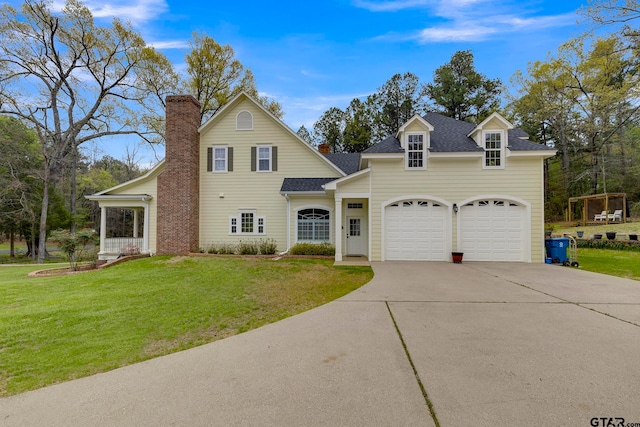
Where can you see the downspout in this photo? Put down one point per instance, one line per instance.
(286, 196)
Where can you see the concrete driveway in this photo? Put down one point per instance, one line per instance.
(483, 344)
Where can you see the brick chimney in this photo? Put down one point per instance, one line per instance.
(179, 183)
(324, 148)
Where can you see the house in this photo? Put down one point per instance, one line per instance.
(439, 185)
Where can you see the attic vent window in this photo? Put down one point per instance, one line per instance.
(244, 121)
(354, 205)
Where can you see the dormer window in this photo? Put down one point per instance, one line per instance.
(244, 121)
(493, 150)
(415, 150)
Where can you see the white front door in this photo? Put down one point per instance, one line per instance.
(355, 237)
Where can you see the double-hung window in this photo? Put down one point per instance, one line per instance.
(247, 222)
(264, 158)
(219, 159)
(493, 150)
(415, 151)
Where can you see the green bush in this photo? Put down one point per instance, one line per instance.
(267, 246)
(75, 245)
(248, 247)
(622, 245)
(222, 249)
(325, 248)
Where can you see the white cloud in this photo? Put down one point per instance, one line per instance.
(484, 28)
(169, 44)
(467, 20)
(127, 10)
(391, 5)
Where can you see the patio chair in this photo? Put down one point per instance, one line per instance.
(600, 217)
(616, 215)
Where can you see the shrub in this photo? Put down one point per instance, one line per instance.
(248, 248)
(74, 245)
(326, 249)
(267, 246)
(621, 245)
(222, 249)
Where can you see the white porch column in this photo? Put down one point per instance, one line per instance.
(338, 223)
(103, 227)
(135, 223)
(145, 228)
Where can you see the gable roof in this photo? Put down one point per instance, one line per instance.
(152, 173)
(244, 96)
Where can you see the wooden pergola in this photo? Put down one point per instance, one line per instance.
(597, 203)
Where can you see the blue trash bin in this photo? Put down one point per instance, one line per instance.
(557, 249)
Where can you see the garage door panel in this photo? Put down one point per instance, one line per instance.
(415, 230)
(492, 230)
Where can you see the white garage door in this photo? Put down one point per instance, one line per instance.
(493, 230)
(415, 230)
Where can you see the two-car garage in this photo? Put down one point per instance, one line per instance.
(488, 229)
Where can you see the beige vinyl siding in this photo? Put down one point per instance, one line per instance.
(359, 185)
(415, 126)
(455, 180)
(223, 194)
(149, 187)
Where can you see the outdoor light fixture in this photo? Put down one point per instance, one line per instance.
(455, 208)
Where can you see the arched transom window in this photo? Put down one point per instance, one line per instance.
(314, 225)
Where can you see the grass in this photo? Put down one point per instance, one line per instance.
(54, 329)
(615, 263)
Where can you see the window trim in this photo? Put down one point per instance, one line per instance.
(270, 158)
(226, 159)
(329, 220)
(423, 151)
(500, 151)
(257, 223)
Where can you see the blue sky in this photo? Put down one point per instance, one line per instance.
(312, 55)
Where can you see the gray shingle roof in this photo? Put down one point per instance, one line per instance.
(387, 145)
(518, 144)
(294, 185)
(450, 134)
(347, 162)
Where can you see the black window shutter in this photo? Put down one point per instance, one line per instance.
(230, 159)
(274, 158)
(253, 159)
(209, 159)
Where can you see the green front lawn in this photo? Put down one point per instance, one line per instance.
(615, 263)
(53, 329)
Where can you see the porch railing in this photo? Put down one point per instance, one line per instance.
(123, 245)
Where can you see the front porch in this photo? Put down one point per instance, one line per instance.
(114, 241)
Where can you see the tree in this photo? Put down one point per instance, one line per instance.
(581, 102)
(74, 81)
(461, 92)
(395, 102)
(216, 76)
(20, 193)
(304, 133)
(608, 12)
(358, 128)
(329, 129)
